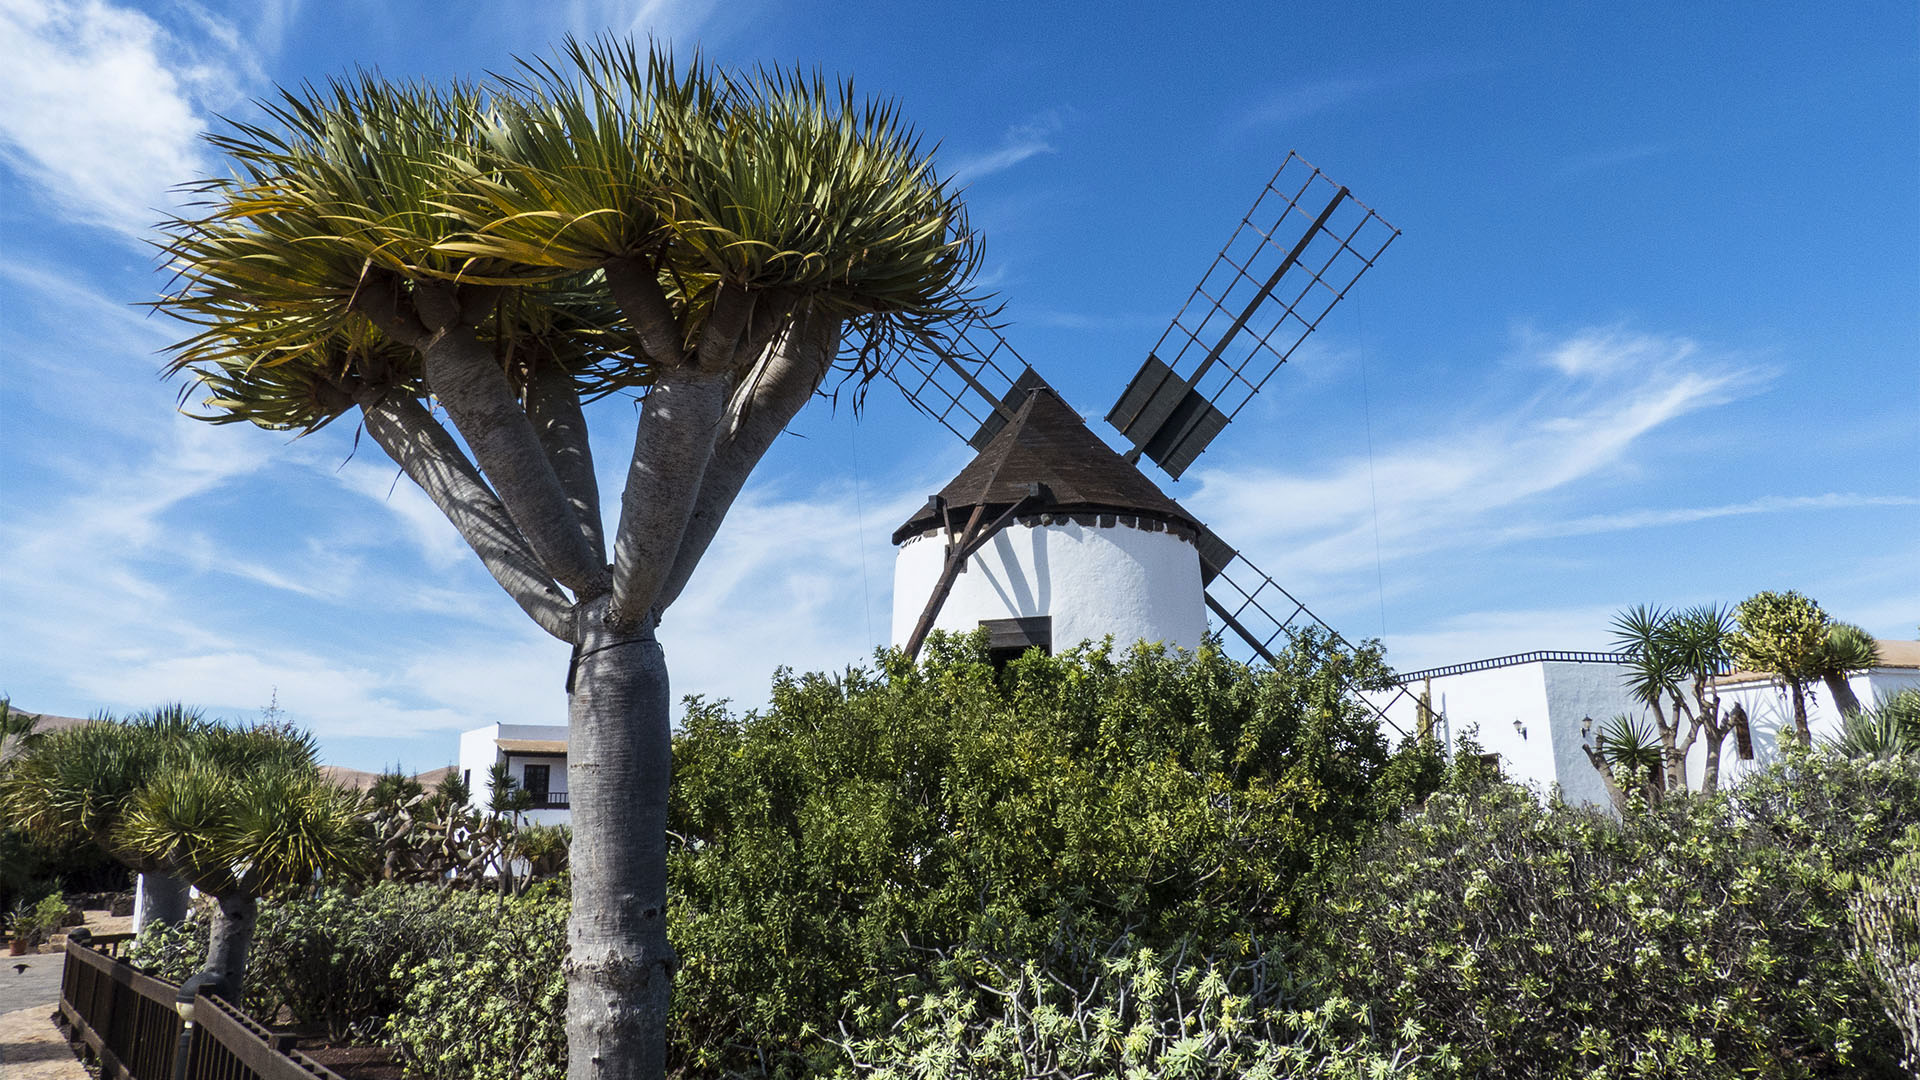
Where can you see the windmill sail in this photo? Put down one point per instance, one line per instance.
(1266, 616)
(970, 379)
(1296, 252)
(962, 377)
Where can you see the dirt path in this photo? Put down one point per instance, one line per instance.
(31, 1048)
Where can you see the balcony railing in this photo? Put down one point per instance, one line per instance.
(549, 800)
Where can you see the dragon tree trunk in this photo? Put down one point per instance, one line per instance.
(620, 965)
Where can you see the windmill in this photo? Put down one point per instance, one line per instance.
(1304, 242)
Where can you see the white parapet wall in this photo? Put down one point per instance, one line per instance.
(1529, 712)
(1092, 580)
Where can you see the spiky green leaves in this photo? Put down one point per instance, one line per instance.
(1669, 649)
(507, 203)
(230, 808)
(251, 832)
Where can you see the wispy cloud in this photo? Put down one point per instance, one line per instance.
(1302, 98)
(662, 19)
(1029, 138)
(1600, 395)
(1613, 156)
(1649, 519)
(106, 105)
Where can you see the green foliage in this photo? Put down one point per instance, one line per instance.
(365, 194)
(1140, 1013)
(1704, 938)
(1847, 648)
(1782, 634)
(1886, 925)
(1669, 650)
(1889, 729)
(827, 845)
(392, 789)
(491, 1008)
(1631, 745)
(38, 921)
(175, 951)
(336, 958)
(250, 827)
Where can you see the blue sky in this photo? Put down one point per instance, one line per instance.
(1651, 335)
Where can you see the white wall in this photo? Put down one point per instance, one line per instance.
(479, 749)
(1550, 699)
(1576, 691)
(1770, 711)
(1093, 581)
(478, 752)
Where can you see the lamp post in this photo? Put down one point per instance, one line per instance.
(184, 1003)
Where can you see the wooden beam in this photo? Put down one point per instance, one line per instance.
(972, 539)
(1245, 634)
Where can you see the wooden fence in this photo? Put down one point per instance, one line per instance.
(131, 1023)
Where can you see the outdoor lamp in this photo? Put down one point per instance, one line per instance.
(1586, 725)
(1519, 728)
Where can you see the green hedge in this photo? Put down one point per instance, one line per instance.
(830, 847)
(335, 958)
(1707, 938)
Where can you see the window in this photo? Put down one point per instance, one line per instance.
(1007, 639)
(535, 780)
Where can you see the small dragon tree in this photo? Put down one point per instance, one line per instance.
(1672, 659)
(244, 816)
(608, 222)
(1846, 649)
(1783, 635)
(237, 812)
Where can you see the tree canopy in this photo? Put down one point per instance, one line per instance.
(603, 221)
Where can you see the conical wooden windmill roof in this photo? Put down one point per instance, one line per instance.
(1046, 443)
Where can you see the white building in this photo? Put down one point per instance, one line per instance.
(536, 758)
(1528, 709)
(1086, 546)
(1534, 711)
(1770, 710)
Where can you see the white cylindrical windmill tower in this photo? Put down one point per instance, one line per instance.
(1049, 538)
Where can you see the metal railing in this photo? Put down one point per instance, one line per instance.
(131, 1022)
(1405, 677)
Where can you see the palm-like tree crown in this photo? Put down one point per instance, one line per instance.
(513, 201)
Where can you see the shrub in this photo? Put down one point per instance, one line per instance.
(1706, 937)
(1139, 1013)
(832, 845)
(175, 951)
(495, 1008)
(1886, 926)
(332, 958)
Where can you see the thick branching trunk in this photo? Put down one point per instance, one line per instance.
(553, 402)
(229, 939)
(1615, 793)
(468, 381)
(162, 900)
(430, 458)
(773, 396)
(1799, 694)
(1710, 772)
(1844, 699)
(679, 423)
(620, 965)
